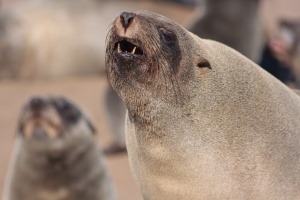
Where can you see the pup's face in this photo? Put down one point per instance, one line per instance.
(51, 118)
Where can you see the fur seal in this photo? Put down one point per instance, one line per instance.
(56, 156)
(203, 121)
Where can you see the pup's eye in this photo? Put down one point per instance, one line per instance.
(67, 111)
(166, 35)
(66, 107)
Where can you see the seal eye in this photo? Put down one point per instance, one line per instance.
(68, 112)
(166, 35)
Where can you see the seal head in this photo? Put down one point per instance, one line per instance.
(50, 118)
(144, 52)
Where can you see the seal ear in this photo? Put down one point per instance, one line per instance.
(202, 64)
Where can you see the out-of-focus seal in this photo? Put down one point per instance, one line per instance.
(203, 122)
(46, 39)
(56, 156)
(234, 23)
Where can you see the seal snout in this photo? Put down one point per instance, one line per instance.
(40, 119)
(126, 19)
(126, 43)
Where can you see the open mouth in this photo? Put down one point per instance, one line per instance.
(125, 47)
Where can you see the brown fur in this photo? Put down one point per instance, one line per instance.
(203, 121)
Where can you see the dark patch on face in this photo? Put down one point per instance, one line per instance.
(170, 48)
(70, 113)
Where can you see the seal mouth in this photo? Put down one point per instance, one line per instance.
(124, 47)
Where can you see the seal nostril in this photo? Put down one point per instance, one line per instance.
(126, 19)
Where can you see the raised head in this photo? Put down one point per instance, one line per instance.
(150, 57)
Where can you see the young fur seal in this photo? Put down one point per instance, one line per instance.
(56, 157)
(203, 121)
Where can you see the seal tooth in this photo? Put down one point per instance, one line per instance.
(133, 51)
(119, 48)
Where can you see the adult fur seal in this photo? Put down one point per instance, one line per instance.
(203, 122)
(56, 156)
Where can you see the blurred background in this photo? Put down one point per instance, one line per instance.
(58, 47)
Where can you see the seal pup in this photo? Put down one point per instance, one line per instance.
(56, 156)
(203, 121)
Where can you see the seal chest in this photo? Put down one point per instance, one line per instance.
(55, 155)
(203, 121)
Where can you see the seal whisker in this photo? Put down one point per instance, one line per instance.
(156, 46)
(108, 36)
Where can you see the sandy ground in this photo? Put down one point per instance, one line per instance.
(87, 92)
